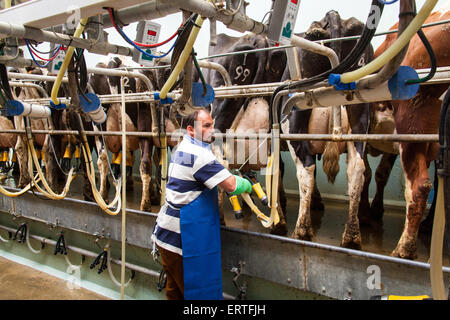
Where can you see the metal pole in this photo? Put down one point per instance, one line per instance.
(283, 136)
(124, 190)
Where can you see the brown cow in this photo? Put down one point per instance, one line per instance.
(420, 115)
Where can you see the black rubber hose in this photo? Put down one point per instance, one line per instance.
(433, 61)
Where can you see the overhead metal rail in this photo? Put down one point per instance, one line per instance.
(253, 136)
(105, 48)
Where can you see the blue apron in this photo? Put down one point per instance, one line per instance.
(200, 241)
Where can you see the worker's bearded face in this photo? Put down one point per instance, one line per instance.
(203, 127)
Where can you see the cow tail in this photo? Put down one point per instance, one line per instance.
(330, 162)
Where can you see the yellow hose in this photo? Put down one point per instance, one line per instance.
(48, 191)
(65, 64)
(437, 238)
(18, 193)
(91, 176)
(183, 58)
(393, 50)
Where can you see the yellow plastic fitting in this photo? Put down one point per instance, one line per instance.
(77, 152)
(117, 158)
(260, 193)
(236, 206)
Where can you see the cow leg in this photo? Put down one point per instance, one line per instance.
(381, 177)
(54, 173)
(305, 176)
(358, 118)
(155, 195)
(364, 206)
(426, 226)
(22, 158)
(355, 175)
(145, 169)
(87, 188)
(316, 199)
(417, 187)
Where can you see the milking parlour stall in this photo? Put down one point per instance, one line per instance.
(308, 101)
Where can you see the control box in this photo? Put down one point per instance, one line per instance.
(55, 65)
(282, 20)
(147, 32)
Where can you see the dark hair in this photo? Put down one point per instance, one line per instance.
(190, 119)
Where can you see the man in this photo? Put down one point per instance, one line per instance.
(187, 231)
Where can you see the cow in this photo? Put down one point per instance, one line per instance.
(419, 115)
(138, 118)
(20, 141)
(381, 122)
(354, 119)
(246, 115)
(104, 85)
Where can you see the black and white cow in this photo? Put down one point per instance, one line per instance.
(318, 120)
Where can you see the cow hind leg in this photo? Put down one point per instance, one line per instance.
(145, 169)
(305, 175)
(417, 187)
(426, 226)
(22, 158)
(102, 163)
(355, 175)
(364, 206)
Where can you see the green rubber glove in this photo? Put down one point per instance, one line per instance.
(242, 185)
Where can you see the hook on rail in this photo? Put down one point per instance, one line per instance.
(23, 232)
(60, 245)
(103, 266)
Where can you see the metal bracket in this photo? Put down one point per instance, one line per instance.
(241, 288)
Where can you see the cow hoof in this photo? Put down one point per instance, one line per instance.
(351, 240)
(303, 233)
(405, 253)
(280, 229)
(146, 206)
(355, 245)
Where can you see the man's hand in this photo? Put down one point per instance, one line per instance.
(236, 185)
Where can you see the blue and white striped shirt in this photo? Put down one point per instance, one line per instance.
(193, 167)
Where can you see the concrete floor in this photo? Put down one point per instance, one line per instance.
(19, 282)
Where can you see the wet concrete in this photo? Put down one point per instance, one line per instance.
(19, 282)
